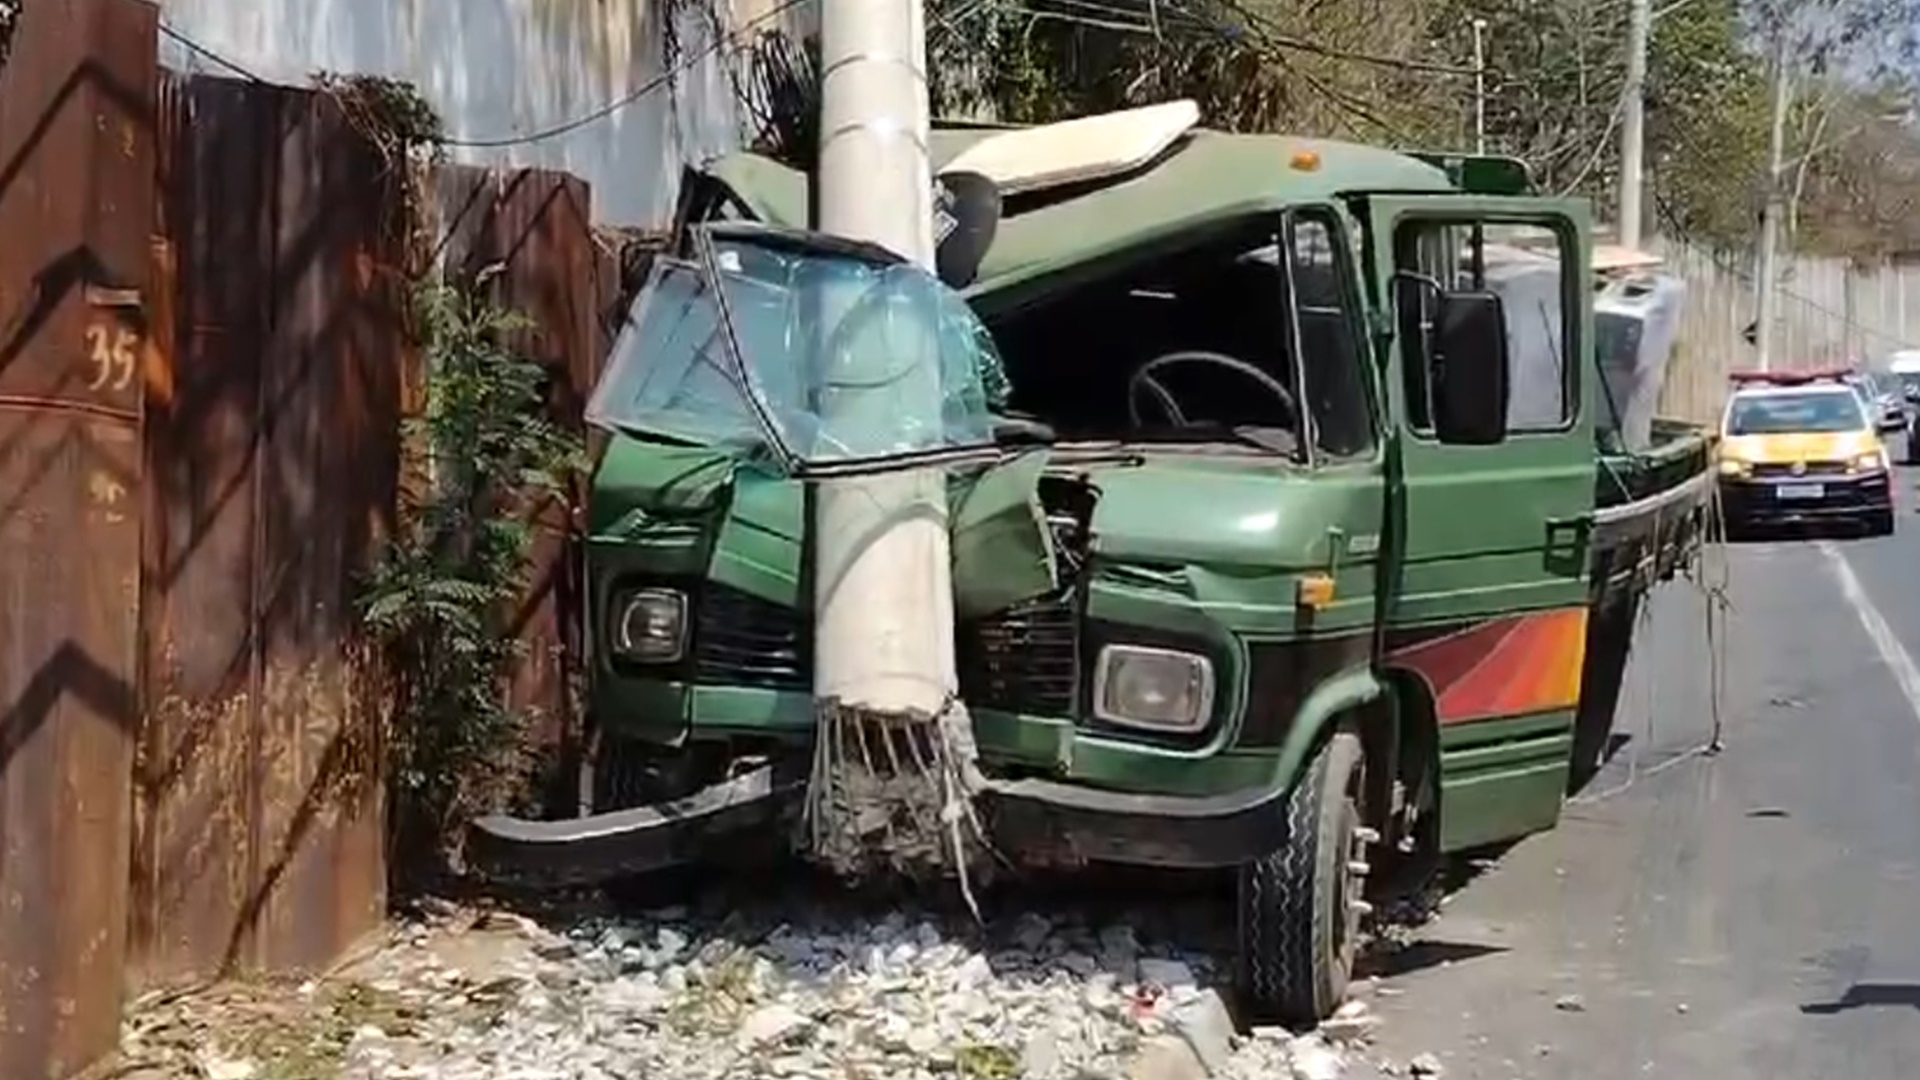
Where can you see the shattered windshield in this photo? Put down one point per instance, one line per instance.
(813, 355)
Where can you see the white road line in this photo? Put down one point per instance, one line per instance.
(1892, 653)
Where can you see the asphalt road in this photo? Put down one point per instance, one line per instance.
(1750, 914)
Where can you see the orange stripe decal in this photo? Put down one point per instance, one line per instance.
(1528, 664)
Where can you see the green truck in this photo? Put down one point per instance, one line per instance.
(1290, 538)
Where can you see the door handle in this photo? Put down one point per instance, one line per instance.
(1571, 531)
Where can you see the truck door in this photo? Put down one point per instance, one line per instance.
(1487, 603)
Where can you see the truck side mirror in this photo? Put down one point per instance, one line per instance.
(1469, 365)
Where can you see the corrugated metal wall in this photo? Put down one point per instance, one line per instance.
(76, 161)
(506, 69)
(273, 446)
(1829, 312)
(554, 271)
(199, 454)
(272, 450)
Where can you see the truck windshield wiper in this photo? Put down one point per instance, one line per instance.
(1022, 431)
(1271, 439)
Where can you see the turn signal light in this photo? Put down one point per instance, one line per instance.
(1314, 591)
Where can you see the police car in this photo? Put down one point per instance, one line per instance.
(1802, 448)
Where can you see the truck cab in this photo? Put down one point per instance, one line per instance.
(1272, 473)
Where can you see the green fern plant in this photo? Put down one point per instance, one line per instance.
(441, 602)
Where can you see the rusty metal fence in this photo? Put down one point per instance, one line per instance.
(76, 152)
(534, 226)
(202, 376)
(271, 448)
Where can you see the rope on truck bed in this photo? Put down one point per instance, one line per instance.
(1711, 575)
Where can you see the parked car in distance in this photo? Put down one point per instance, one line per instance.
(1903, 367)
(1885, 402)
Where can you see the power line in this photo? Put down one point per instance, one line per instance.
(205, 53)
(1599, 147)
(1715, 255)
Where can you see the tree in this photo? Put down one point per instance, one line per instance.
(1845, 64)
(1398, 73)
(1706, 122)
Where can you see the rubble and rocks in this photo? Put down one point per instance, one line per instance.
(780, 991)
(1353, 1022)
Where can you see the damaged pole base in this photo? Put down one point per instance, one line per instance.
(893, 795)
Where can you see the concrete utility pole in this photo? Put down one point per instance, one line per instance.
(1633, 123)
(1480, 86)
(883, 605)
(1766, 272)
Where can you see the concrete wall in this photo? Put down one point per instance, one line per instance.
(1829, 313)
(509, 68)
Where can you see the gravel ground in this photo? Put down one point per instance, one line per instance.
(787, 987)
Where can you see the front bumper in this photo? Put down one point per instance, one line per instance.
(1032, 821)
(1805, 499)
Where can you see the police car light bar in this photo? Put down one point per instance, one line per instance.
(1789, 378)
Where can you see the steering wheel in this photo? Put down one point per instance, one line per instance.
(1143, 379)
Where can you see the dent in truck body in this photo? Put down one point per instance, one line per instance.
(1284, 671)
(741, 537)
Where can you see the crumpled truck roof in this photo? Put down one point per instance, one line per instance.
(1208, 177)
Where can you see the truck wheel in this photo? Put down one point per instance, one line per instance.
(1300, 906)
(1880, 524)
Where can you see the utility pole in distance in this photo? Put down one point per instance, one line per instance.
(1633, 124)
(1480, 86)
(883, 595)
(1766, 271)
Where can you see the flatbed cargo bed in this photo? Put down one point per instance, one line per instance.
(1651, 514)
(1652, 505)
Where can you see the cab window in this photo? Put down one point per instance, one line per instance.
(1526, 265)
(1334, 370)
(1250, 331)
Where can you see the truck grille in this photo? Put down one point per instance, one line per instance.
(1023, 660)
(1813, 468)
(1026, 659)
(742, 640)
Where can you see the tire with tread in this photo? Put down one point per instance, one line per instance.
(1297, 920)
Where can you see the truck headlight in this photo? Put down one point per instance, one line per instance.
(650, 626)
(1869, 463)
(1162, 689)
(1735, 469)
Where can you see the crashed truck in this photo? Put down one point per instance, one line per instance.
(1301, 495)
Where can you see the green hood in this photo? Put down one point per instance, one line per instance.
(1003, 549)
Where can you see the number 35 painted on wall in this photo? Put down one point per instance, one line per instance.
(114, 356)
